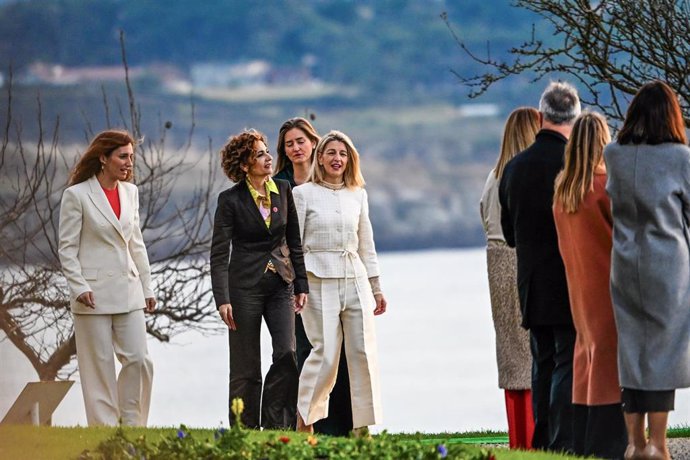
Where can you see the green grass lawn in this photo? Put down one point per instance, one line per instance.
(28, 442)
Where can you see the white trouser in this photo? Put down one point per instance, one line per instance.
(340, 309)
(110, 400)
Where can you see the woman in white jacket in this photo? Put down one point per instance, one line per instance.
(105, 262)
(343, 274)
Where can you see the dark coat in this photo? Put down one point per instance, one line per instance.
(238, 221)
(526, 196)
(287, 173)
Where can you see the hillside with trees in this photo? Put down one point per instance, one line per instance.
(391, 49)
(386, 72)
(381, 71)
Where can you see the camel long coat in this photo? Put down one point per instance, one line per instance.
(584, 239)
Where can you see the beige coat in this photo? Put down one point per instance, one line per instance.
(512, 341)
(100, 253)
(339, 255)
(336, 232)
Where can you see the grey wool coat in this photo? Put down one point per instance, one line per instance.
(649, 187)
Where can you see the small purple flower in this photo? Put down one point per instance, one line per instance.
(220, 432)
(180, 434)
(442, 450)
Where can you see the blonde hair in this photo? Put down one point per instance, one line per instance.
(519, 133)
(353, 175)
(583, 153)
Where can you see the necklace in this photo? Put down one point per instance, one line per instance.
(328, 185)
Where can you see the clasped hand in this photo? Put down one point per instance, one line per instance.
(87, 299)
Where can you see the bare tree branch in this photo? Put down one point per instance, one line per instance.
(611, 47)
(175, 191)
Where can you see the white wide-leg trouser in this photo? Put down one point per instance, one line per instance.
(340, 309)
(108, 399)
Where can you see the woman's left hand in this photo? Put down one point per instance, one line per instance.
(150, 304)
(300, 302)
(381, 304)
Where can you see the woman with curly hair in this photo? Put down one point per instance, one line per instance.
(265, 277)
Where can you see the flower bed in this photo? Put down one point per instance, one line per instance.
(237, 443)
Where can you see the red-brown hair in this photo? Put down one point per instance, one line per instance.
(654, 117)
(239, 151)
(105, 143)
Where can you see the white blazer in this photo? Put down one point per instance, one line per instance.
(100, 253)
(337, 237)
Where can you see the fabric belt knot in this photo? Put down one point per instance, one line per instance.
(348, 256)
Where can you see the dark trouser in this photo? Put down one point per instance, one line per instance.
(552, 385)
(339, 420)
(599, 431)
(271, 299)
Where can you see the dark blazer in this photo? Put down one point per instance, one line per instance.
(526, 197)
(287, 173)
(238, 221)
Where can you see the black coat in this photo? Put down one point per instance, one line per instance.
(238, 221)
(526, 197)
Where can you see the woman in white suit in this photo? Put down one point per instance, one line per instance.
(343, 274)
(104, 259)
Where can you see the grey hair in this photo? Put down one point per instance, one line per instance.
(560, 103)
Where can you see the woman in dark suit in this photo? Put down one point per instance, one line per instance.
(297, 141)
(264, 278)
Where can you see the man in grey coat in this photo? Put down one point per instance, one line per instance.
(525, 194)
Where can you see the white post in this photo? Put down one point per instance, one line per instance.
(35, 417)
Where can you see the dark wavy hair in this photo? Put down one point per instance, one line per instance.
(299, 123)
(653, 117)
(239, 151)
(105, 143)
